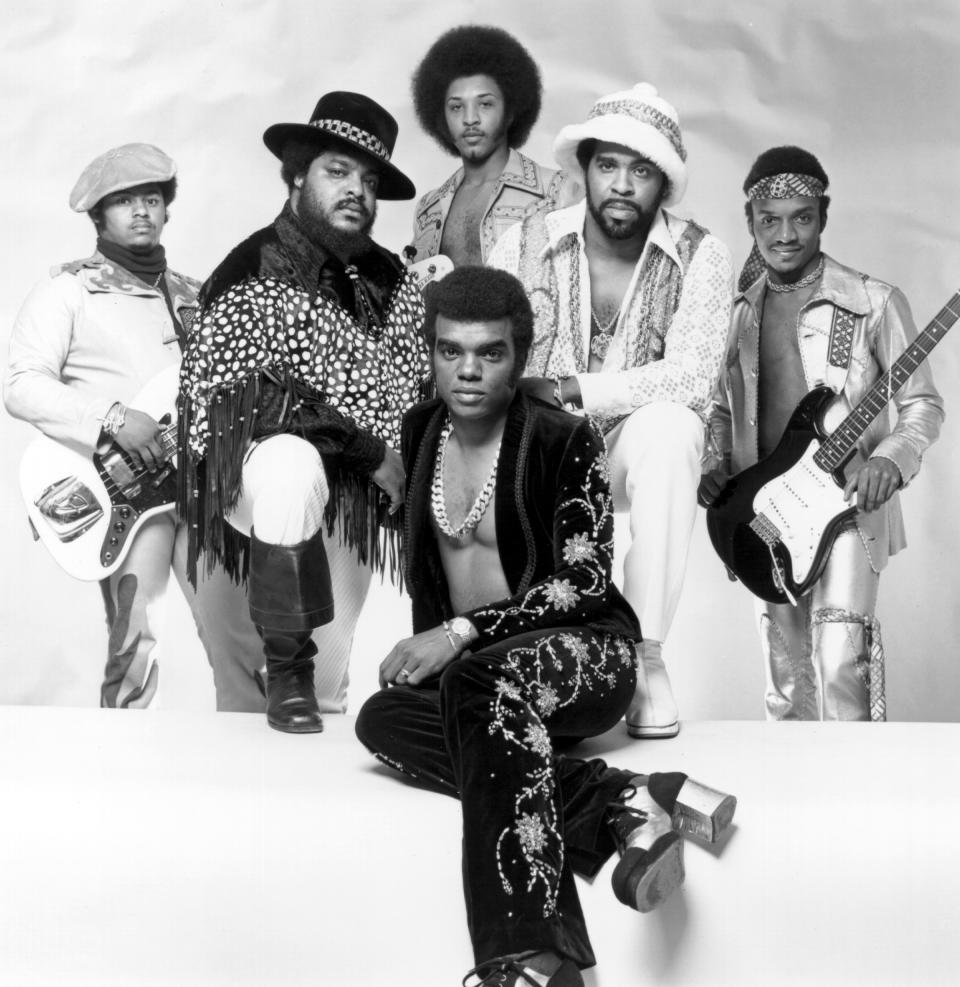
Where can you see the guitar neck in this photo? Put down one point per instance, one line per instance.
(168, 440)
(835, 450)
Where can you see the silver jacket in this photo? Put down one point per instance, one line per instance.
(883, 329)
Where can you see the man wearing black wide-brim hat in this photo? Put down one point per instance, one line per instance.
(307, 355)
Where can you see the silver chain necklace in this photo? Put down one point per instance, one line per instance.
(438, 498)
(600, 340)
(795, 285)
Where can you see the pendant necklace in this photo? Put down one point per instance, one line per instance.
(601, 339)
(438, 498)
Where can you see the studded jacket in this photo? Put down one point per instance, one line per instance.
(554, 523)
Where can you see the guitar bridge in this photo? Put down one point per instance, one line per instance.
(769, 534)
(765, 530)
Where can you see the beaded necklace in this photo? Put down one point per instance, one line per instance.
(802, 283)
(438, 499)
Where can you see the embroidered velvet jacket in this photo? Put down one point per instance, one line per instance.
(554, 522)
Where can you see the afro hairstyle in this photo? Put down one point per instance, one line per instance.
(481, 294)
(477, 50)
(787, 158)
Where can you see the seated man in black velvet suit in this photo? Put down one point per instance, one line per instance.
(520, 637)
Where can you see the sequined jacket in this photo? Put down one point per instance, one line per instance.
(554, 523)
(87, 336)
(523, 185)
(669, 338)
(881, 328)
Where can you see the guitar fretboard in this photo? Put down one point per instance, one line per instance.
(834, 451)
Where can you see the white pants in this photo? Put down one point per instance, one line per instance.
(654, 457)
(817, 654)
(282, 500)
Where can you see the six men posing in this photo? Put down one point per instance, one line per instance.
(575, 375)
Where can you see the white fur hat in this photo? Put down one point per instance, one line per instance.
(636, 118)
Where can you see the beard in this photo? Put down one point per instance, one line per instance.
(314, 216)
(622, 229)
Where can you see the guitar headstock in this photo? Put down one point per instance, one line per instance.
(430, 269)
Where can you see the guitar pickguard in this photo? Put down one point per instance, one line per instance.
(802, 503)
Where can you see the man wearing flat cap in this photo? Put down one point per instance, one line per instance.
(307, 355)
(632, 307)
(86, 342)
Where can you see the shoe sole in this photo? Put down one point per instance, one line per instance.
(296, 727)
(653, 733)
(643, 879)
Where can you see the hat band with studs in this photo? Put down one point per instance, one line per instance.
(645, 114)
(355, 135)
(786, 185)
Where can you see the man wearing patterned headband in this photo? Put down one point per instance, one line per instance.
(477, 93)
(632, 307)
(307, 355)
(801, 320)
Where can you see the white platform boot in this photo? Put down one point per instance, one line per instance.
(653, 712)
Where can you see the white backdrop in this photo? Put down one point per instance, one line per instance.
(869, 86)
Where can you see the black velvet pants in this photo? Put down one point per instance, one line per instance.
(531, 817)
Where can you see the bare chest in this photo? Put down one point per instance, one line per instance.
(782, 382)
(461, 231)
(471, 562)
(609, 282)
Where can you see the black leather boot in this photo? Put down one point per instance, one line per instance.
(289, 594)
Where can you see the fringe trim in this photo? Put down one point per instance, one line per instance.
(209, 488)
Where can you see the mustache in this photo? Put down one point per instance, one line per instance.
(615, 201)
(354, 203)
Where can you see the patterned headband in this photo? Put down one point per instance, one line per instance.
(355, 135)
(786, 185)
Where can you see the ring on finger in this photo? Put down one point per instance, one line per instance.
(403, 675)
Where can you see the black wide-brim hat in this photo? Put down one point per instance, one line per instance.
(357, 122)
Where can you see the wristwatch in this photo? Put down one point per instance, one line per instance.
(462, 628)
(458, 630)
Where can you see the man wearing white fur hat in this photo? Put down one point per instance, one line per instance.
(631, 308)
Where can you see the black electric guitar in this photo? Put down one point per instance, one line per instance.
(773, 525)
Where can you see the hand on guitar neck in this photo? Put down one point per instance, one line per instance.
(140, 437)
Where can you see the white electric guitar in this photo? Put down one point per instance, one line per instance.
(88, 509)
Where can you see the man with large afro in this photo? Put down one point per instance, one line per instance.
(477, 93)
